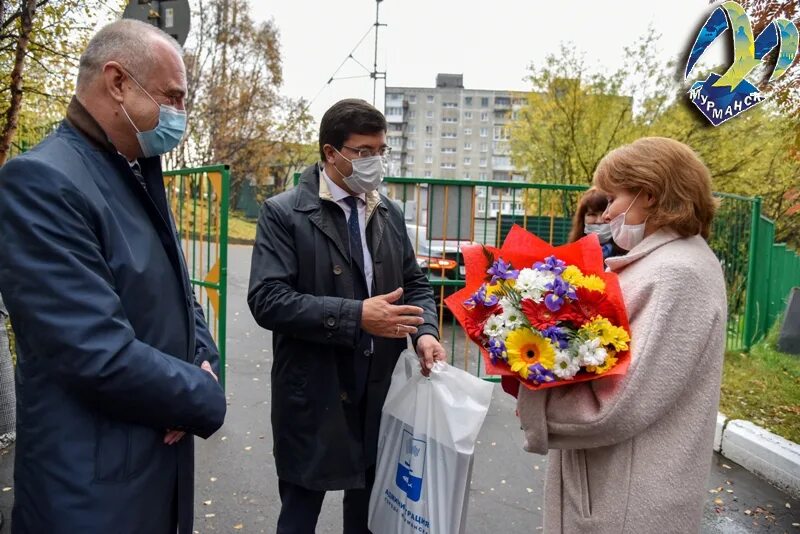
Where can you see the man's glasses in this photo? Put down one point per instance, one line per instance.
(367, 152)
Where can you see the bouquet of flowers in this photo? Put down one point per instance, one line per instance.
(545, 315)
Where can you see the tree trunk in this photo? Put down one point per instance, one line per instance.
(12, 113)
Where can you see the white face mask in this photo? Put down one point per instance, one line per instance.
(627, 236)
(603, 231)
(368, 173)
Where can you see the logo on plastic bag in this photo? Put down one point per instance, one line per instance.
(411, 466)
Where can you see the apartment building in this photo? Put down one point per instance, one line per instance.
(448, 131)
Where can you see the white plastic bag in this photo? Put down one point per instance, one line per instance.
(425, 446)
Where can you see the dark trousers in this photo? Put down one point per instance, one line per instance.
(300, 508)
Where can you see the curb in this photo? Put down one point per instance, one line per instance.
(771, 457)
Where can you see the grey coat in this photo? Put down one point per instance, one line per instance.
(301, 288)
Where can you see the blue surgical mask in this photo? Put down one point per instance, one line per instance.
(168, 132)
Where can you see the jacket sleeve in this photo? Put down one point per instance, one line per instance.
(681, 319)
(273, 300)
(60, 291)
(205, 347)
(417, 290)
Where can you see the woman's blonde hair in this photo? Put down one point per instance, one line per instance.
(671, 172)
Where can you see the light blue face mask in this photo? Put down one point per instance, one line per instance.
(168, 132)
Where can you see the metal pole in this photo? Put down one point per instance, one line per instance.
(375, 62)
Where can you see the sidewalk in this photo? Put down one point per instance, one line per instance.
(236, 486)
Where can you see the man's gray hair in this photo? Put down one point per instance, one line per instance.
(128, 42)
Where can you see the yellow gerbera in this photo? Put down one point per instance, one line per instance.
(610, 362)
(525, 348)
(609, 335)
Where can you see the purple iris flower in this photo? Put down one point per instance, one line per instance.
(480, 297)
(501, 270)
(557, 335)
(539, 374)
(560, 290)
(496, 350)
(551, 263)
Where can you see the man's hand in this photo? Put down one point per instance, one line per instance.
(174, 436)
(381, 318)
(429, 350)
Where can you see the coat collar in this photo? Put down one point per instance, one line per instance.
(312, 190)
(80, 119)
(656, 240)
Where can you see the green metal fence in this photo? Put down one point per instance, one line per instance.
(199, 199)
(758, 273)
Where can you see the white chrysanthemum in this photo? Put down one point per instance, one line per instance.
(512, 316)
(531, 283)
(566, 366)
(591, 353)
(495, 327)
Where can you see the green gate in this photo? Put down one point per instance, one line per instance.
(200, 204)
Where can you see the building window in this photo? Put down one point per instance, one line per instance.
(428, 174)
(467, 161)
(412, 128)
(468, 115)
(484, 132)
(482, 176)
(500, 133)
(501, 161)
(410, 160)
(429, 144)
(394, 111)
(449, 104)
(451, 120)
(467, 146)
(429, 130)
(467, 100)
(449, 135)
(412, 114)
(448, 165)
(484, 101)
(467, 131)
(502, 101)
(429, 114)
(484, 147)
(410, 144)
(467, 175)
(484, 116)
(448, 150)
(483, 162)
(428, 159)
(430, 99)
(412, 99)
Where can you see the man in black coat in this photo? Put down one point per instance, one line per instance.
(115, 361)
(334, 276)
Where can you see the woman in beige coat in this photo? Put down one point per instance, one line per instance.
(632, 454)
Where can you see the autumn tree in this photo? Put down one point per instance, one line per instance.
(236, 112)
(40, 44)
(574, 117)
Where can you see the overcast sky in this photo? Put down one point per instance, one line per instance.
(490, 42)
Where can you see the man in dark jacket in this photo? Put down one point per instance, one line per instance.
(115, 361)
(335, 278)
